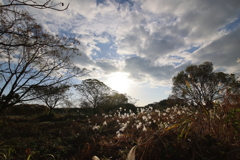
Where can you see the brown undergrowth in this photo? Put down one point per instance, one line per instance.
(176, 133)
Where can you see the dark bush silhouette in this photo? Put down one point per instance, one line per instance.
(26, 110)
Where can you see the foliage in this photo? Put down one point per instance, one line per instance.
(6, 151)
(166, 103)
(175, 133)
(31, 57)
(97, 95)
(93, 92)
(26, 110)
(34, 61)
(199, 86)
(116, 98)
(113, 101)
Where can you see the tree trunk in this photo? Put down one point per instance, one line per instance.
(50, 111)
(94, 110)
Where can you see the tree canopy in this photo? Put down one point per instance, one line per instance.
(198, 85)
(93, 92)
(116, 98)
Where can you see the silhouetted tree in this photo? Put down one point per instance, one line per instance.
(113, 99)
(50, 95)
(116, 98)
(31, 57)
(93, 92)
(198, 85)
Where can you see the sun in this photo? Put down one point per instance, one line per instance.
(119, 81)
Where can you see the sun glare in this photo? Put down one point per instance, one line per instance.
(119, 82)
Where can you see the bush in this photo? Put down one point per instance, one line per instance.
(26, 110)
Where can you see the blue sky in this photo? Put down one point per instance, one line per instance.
(148, 41)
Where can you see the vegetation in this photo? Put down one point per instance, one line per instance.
(167, 103)
(174, 133)
(50, 95)
(31, 57)
(198, 85)
(200, 120)
(26, 110)
(93, 92)
(97, 95)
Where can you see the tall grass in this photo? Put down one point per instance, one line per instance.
(175, 133)
(180, 133)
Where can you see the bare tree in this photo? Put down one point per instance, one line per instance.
(48, 4)
(29, 56)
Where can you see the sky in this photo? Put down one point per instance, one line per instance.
(137, 46)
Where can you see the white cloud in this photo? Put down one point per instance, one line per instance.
(86, 8)
(159, 34)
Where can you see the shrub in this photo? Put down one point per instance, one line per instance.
(26, 110)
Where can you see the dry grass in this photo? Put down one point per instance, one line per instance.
(176, 133)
